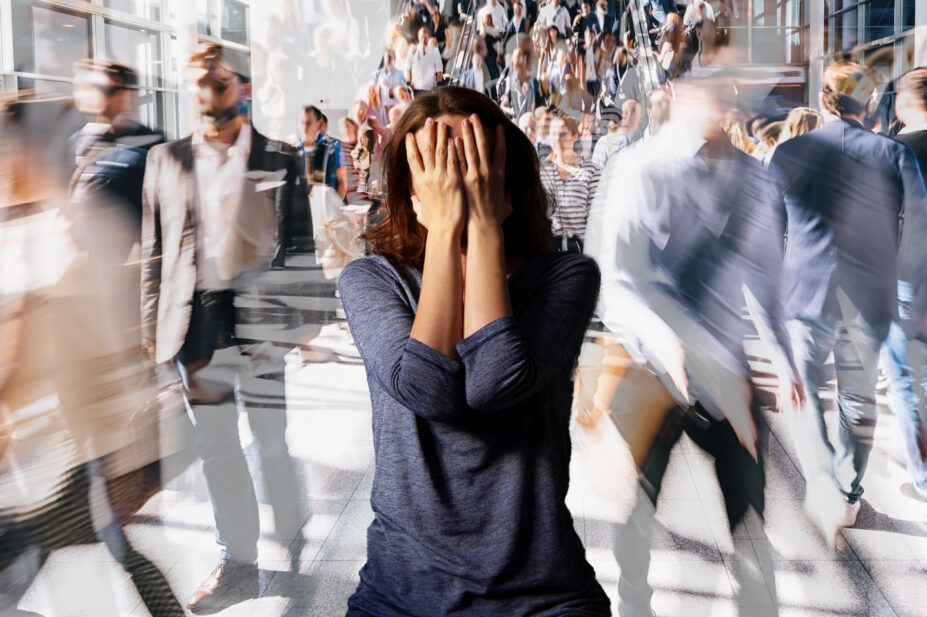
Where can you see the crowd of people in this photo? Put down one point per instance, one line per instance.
(554, 176)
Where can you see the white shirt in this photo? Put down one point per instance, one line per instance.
(423, 65)
(560, 17)
(607, 146)
(230, 210)
(497, 12)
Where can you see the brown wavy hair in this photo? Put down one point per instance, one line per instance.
(526, 232)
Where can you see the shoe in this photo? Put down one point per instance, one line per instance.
(229, 584)
(847, 516)
(914, 491)
(825, 507)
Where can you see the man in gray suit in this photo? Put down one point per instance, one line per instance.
(845, 192)
(208, 228)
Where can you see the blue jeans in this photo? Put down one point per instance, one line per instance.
(904, 364)
(856, 357)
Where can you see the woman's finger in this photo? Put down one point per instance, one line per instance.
(441, 149)
(426, 143)
(453, 163)
(471, 156)
(459, 156)
(482, 146)
(413, 156)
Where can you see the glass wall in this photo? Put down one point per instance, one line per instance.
(42, 39)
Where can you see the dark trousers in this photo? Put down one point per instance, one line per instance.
(742, 481)
(568, 244)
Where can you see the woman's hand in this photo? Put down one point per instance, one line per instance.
(438, 197)
(484, 173)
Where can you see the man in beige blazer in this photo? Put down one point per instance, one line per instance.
(209, 227)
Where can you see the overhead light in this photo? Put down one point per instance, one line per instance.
(67, 25)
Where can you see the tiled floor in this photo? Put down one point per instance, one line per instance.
(879, 567)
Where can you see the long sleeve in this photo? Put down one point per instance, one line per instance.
(912, 254)
(150, 248)
(514, 357)
(418, 377)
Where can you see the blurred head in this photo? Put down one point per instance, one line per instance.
(701, 102)
(672, 29)
(361, 111)
(630, 115)
(518, 9)
(848, 88)
(621, 57)
(104, 88)
(424, 34)
(389, 59)
(800, 120)
(543, 117)
(310, 124)
(529, 126)
(323, 124)
(349, 128)
(394, 114)
(401, 238)
(911, 104)
(552, 34)
(658, 109)
(404, 94)
(768, 133)
(601, 6)
(218, 87)
(587, 8)
(565, 132)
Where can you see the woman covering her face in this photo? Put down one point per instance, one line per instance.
(469, 326)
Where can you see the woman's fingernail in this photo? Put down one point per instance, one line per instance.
(429, 121)
(464, 123)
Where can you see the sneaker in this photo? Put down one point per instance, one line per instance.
(846, 517)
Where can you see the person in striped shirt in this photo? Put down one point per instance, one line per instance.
(571, 183)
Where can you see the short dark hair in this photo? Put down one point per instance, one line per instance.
(324, 118)
(315, 111)
(120, 74)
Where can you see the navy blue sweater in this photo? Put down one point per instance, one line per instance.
(472, 456)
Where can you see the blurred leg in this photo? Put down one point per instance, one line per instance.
(811, 344)
(231, 490)
(903, 363)
(261, 392)
(856, 356)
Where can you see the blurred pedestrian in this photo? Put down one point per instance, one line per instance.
(845, 190)
(208, 229)
(571, 183)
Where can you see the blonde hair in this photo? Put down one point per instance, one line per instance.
(848, 86)
(800, 120)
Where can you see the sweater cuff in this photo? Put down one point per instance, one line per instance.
(435, 358)
(484, 334)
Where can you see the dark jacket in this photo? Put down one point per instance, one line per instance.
(112, 168)
(844, 190)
